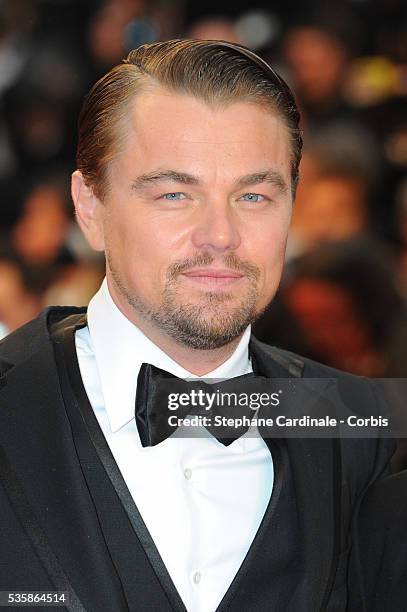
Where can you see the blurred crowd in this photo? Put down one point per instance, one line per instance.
(343, 295)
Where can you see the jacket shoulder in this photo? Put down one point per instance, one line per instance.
(309, 367)
(353, 390)
(27, 340)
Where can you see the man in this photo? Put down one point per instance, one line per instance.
(187, 165)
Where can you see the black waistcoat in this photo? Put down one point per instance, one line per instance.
(270, 575)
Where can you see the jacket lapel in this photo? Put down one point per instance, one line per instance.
(316, 469)
(49, 478)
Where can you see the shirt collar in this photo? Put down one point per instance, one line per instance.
(120, 348)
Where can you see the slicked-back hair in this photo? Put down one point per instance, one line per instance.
(216, 72)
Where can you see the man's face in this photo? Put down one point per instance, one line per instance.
(196, 218)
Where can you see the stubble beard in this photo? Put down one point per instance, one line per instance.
(205, 324)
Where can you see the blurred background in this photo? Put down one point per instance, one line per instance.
(343, 295)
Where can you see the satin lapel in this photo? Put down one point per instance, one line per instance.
(316, 469)
(37, 444)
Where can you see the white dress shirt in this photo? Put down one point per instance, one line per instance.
(201, 501)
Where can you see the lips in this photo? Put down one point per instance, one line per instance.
(215, 273)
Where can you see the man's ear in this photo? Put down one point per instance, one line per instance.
(88, 211)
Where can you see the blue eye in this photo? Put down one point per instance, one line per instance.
(252, 197)
(176, 195)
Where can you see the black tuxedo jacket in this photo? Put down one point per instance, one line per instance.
(52, 530)
(383, 544)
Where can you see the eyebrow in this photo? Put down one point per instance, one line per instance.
(265, 176)
(144, 180)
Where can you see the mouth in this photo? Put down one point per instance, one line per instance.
(218, 277)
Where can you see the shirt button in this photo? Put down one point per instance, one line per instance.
(197, 577)
(188, 473)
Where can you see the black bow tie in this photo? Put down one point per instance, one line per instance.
(164, 400)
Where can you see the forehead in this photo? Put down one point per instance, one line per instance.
(163, 128)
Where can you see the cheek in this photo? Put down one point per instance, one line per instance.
(268, 253)
(267, 246)
(141, 249)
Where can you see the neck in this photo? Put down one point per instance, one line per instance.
(196, 361)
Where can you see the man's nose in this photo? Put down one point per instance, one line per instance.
(216, 228)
